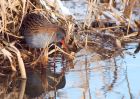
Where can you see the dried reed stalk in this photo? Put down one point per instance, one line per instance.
(20, 60)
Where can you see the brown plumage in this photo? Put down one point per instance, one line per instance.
(38, 32)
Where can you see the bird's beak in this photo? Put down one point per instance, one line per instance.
(64, 44)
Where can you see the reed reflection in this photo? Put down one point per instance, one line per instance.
(45, 81)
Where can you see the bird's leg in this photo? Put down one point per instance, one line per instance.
(44, 57)
(35, 61)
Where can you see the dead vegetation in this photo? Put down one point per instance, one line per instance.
(105, 30)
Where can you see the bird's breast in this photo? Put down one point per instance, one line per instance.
(40, 40)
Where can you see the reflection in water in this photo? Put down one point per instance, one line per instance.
(10, 86)
(112, 71)
(45, 81)
(95, 80)
(34, 86)
(42, 82)
(104, 79)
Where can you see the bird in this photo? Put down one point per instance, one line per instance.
(38, 32)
